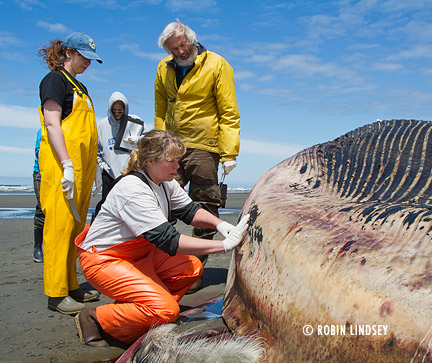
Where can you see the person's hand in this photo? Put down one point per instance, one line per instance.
(98, 180)
(224, 228)
(229, 165)
(236, 234)
(68, 180)
(132, 139)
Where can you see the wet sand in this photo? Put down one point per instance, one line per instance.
(32, 333)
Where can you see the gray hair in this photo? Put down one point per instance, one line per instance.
(176, 27)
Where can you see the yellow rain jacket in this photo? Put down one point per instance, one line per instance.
(203, 112)
(61, 229)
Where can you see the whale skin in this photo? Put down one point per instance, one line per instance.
(340, 238)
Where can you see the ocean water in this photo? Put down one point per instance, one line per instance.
(28, 213)
(10, 189)
(25, 213)
(16, 189)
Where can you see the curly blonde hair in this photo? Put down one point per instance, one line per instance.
(155, 145)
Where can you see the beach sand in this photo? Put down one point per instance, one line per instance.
(32, 333)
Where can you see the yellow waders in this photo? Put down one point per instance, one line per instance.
(61, 229)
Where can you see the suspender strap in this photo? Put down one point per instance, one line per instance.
(99, 205)
(75, 87)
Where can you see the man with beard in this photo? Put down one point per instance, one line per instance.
(195, 99)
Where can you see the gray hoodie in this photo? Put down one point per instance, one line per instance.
(112, 160)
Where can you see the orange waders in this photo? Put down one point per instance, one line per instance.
(145, 282)
(60, 228)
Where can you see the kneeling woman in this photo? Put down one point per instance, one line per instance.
(131, 252)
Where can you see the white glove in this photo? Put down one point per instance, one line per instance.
(68, 180)
(227, 166)
(224, 228)
(236, 234)
(132, 139)
(98, 180)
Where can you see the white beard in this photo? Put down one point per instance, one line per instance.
(190, 60)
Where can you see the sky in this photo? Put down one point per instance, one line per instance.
(306, 72)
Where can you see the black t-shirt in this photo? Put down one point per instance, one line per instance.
(55, 85)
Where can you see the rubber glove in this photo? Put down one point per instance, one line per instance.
(236, 234)
(132, 140)
(224, 228)
(227, 166)
(98, 180)
(68, 180)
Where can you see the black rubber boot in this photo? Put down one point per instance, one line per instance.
(38, 238)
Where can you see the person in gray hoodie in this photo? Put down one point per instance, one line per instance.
(118, 134)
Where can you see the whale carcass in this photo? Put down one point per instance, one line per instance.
(337, 262)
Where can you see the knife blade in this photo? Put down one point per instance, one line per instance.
(74, 210)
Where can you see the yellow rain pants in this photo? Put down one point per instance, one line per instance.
(145, 282)
(61, 229)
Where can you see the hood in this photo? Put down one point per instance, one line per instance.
(117, 96)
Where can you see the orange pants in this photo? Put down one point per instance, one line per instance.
(145, 283)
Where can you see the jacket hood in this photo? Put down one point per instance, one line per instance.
(117, 96)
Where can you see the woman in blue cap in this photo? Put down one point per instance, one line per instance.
(67, 161)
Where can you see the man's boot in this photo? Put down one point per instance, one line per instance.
(84, 296)
(65, 305)
(38, 238)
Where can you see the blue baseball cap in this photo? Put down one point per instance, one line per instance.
(83, 44)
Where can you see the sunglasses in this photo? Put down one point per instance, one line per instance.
(117, 111)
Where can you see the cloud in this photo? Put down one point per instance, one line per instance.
(115, 4)
(357, 47)
(212, 23)
(416, 52)
(95, 75)
(262, 58)
(15, 150)
(251, 76)
(240, 75)
(19, 116)
(14, 56)
(367, 18)
(191, 5)
(267, 78)
(416, 31)
(263, 148)
(7, 39)
(275, 14)
(54, 28)
(276, 92)
(247, 87)
(327, 26)
(387, 67)
(397, 5)
(215, 38)
(310, 65)
(278, 7)
(281, 65)
(364, 47)
(254, 52)
(29, 5)
(133, 48)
